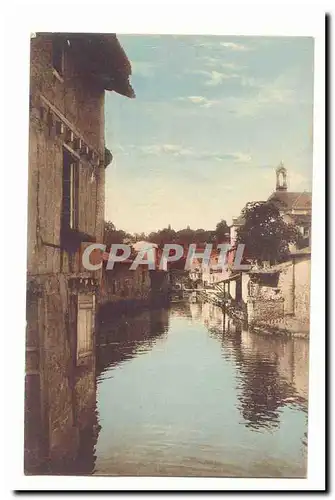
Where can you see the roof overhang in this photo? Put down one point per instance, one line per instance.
(263, 272)
(101, 57)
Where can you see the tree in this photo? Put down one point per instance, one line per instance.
(185, 236)
(113, 235)
(203, 236)
(265, 233)
(139, 237)
(166, 235)
(222, 232)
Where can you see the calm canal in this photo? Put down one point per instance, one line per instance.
(189, 392)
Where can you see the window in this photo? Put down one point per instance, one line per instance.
(305, 231)
(58, 56)
(70, 192)
(85, 319)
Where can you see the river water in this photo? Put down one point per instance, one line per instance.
(187, 391)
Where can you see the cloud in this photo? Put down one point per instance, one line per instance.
(235, 46)
(264, 96)
(199, 100)
(226, 157)
(217, 43)
(242, 158)
(270, 96)
(180, 151)
(216, 78)
(224, 128)
(163, 149)
(259, 97)
(250, 81)
(196, 99)
(217, 62)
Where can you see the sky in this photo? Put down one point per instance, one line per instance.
(212, 119)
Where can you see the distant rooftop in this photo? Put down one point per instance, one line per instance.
(292, 200)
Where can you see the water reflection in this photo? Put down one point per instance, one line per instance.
(187, 391)
(272, 370)
(128, 336)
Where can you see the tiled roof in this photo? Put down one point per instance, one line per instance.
(287, 200)
(292, 200)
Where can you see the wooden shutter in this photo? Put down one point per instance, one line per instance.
(85, 322)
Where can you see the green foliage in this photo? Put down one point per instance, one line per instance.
(113, 235)
(265, 233)
(168, 235)
(222, 232)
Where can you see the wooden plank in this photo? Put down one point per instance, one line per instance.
(70, 125)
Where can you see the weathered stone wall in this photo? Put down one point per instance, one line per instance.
(46, 167)
(294, 283)
(120, 284)
(124, 290)
(293, 290)
(245, 286)
(80, 99)
(302, 290)
(264, 310)
(286, 286)
(60, 395)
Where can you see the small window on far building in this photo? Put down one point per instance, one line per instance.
(85, 325)
(58, 56)
(304, 231)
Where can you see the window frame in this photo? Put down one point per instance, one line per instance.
(58, 55)
(70, 192)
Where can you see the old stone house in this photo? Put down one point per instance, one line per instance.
(69, 74)
(275, 296)
(281, 293)
(124, 289)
